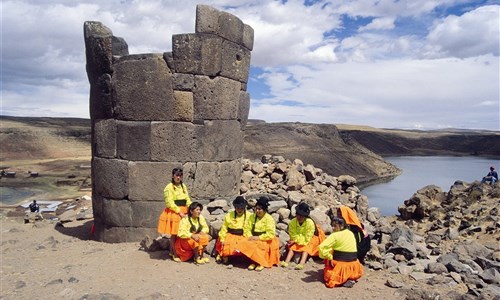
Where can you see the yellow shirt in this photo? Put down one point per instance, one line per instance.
(343, 240)
(265, 225)
(185, 226)
(301, 234)
(234, 222)
(174, 192)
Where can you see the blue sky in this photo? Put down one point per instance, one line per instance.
(424, 64)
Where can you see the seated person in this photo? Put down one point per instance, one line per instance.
(305, 236)
(193, 238)
(342, 267)
(262, 246)
(363, 240)
(34, 207)
(231, 232)
(492, 176)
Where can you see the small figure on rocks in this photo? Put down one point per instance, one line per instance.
(491, 177)
(177, 201)
(231, 233)
(34, 213)
(305, 236)
(34, 207)
(363, 241)
(342, 267)
(262, 246)
(193, 236)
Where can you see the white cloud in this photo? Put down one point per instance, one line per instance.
(379, 24)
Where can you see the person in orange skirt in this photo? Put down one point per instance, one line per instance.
(363, 240)
(262, 246)
(231, 233)
(193, 236)
(176, 201)
(305, 236)
(342, 267)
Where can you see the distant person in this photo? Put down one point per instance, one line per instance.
(491, 177)
(305, 236)
(231, 236)
(342, 267)
(262, 246)
(177, 201)
(193, 236)
(34, 207)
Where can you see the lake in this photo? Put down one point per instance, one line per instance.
(420, 171)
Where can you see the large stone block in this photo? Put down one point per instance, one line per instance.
(248, 37)
(110, 177)
(133, 140)
(101, 106)
(235, 61)
(98, 49)
(105, 138)
(243, 109)
(215, 99)
(142, 88)
(230, 27)
(122, 234)
(198, 54)
(215, 180)
(183, 82)
(183, 109)
(147, 180)
(220, 140)
(174, 142)
(125, 213)
(207, 19)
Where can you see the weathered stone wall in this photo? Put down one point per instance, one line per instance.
(153, 112)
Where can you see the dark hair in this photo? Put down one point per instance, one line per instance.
(175, 171)
(263, 202)
(339, 221)
(240, 202)
(193, 206)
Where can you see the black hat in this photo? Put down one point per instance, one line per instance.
(176, 171)
(239, 202)
(303, 209)
(263, 202)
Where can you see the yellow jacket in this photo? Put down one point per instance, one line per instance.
(185, 226)
(343, 240)
(301, 234)
(266, 225)
(234, 222)
(173, 192)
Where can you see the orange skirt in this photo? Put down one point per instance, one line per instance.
(312, 247)
(336, 273)
(264, 253)
(184, 248)
(232, 245)
(169, 220)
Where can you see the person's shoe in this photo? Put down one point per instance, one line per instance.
(349, 283)
(299, 267)
(199, 261)
(225, 260)
(176, 259)
(218, 259)
(206, 260)
(251, 267)
(259, 268)
(284, 264)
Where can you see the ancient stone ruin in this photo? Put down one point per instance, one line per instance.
(153, 112)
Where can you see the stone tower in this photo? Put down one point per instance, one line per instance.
(153, 112)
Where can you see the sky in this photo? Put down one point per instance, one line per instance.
(426, 64)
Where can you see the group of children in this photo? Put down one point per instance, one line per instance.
(252, 235)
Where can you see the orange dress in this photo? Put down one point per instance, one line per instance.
(231, 234)
(176, 200)
(307, 236)
(185, 246)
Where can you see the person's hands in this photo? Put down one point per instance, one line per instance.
(195, 237)
(253, 238)
(290, 243)
(183, 215)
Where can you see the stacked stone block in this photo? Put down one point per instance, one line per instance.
(153, 112)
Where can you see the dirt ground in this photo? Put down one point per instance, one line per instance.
(45, 261)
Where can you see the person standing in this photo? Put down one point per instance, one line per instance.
(262, 246)
(193, 236)
(492, 176)
(231, 237)
(305, 236)
(342, 267)
(177, 201)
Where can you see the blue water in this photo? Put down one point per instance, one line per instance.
(10, 196)
(420, 171)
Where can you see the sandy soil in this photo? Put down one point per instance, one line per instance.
(45, 261)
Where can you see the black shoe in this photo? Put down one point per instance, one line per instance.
(349, 283)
